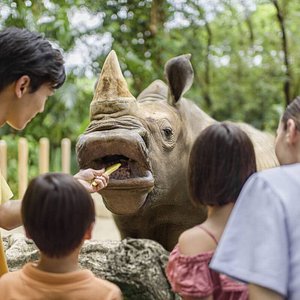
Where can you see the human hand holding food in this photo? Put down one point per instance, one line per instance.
(88, 176)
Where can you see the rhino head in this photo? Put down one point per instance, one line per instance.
(151, 137)
(115, 135)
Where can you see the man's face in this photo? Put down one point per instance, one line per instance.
(27, 107)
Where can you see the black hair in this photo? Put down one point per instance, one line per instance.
(292, 112)
(221, 160)
(56, 212)
(23, 52)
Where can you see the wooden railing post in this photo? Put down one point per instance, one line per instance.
(44, 160)
(3, 158)
(44, 155)
(22, 166)
(66, 155)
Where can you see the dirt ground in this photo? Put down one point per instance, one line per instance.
(105, 228)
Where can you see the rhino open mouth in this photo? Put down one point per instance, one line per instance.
(128, 186)
(125, 172)
(132, 173)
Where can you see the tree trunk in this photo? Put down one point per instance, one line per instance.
(284, 43)
(207, 82)
(248, 22)
(207, 97)
(156, 16)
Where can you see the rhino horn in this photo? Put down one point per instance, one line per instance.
(111, 93)
(180, 75)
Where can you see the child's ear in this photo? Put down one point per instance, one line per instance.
(88, 232)
(292, 132)
(22, 85)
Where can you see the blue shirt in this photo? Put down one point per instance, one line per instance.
(261, 241)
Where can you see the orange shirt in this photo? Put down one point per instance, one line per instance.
(30, 283)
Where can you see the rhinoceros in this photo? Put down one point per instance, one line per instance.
(151, 137)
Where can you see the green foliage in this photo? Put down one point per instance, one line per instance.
(236, 48)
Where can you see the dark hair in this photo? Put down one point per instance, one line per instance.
(23, 52)
(221, 160)
(292, 112)
(56, 212)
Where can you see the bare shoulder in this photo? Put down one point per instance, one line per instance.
(195, 241)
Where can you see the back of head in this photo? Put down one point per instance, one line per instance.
(23, 52)
(221, 160)
(56, 212)
(292, 112)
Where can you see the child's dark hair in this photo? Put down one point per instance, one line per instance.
(221, 160)
(56, 212)
(292, 112)
(23, 52)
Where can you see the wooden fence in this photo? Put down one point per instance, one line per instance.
(44, 156)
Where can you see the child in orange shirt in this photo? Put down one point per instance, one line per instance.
(58, 215)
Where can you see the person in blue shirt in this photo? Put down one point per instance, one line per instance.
(260, 244)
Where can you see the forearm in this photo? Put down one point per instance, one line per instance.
(10, 214)
(259, 293)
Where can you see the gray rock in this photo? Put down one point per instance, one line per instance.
(135, 265)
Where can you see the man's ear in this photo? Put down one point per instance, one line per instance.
(292, 131)
(88, 232)
(22, 86)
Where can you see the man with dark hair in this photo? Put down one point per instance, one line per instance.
(58, 215)
(30, 70)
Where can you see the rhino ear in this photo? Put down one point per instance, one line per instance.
(157, 90)
(180, 75)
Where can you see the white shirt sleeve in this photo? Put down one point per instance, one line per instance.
(254, 245)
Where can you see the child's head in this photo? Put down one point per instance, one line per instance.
(27, 53)
(287, 144)
(57, 212)
(292, 112)
(221, 160)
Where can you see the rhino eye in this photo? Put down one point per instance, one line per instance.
(168, 132)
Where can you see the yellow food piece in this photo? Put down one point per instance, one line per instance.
(112, 168)
(108, 171)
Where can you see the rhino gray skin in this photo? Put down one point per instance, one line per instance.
(152, 137)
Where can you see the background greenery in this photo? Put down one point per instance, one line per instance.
(245, 55)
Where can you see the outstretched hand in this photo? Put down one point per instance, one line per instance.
(92, 180)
